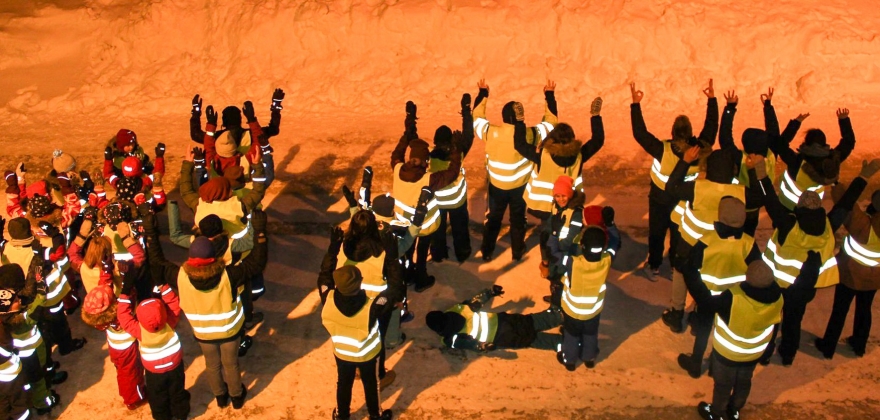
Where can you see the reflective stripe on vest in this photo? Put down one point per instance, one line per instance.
(9, 369)
(161, 345)
(482, 326)
(27, 342)
(701, 214)
(56, 285)
(724, 261)
(354, 338)
(787, 259)
(229, 211)
(506, 167)
(373, 281)
(750, 329)
(212, 313)
(119, 339)
(539, 191)
(867, 255)
(406, 197)
(453, 195)
(660, 170)
(793, 188)
(583, 293)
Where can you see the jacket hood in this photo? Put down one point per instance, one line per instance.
(562, 149)
(362, 250)
(206, 277)
(763, 295)
(151, 314)
(350, 305)
(576, 201)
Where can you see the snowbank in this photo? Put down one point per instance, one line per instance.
(350, 64)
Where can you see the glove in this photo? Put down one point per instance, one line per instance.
(349, 196)
(160, 150)
(211, 115)
(277, 96)
(248, 111)
(422, 207)
(91, 213)
(366, 186)
(267, 149)
(198, 157)
(128, 277)
(486, 347)
(197, 105)
(86, 179)
(497, 290)
(123, 229)
(2, 225)
(608, 215)
(49, 229)
(336, 236)
(518, 111)
(411, 110)
(108, 153)
(869, 168)
(465, 102)
(11, 183)
(259, 220)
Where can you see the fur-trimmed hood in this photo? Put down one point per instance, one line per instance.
(205, 277)
(562, 149)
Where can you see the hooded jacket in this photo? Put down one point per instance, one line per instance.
(859, 224)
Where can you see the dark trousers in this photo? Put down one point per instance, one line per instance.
(580, 339)
(499, 200)
(659, 223)
(459, 218)
(732, 386)
(843, 297)
(167, 394)
(13, 399)
(345, 372)
(703, 321)
(258, 286)
(417, 261)
(56, 330)
(793, 309)
(544, 230)
(384, 323)
(247, 300)
(752, 219)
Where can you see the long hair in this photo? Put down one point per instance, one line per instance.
(361, 240)
(99, 247)
(681, 128)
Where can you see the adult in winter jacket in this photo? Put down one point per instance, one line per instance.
(466, 326)
(209, 297)
(808, 228)
(508, 170)
(563, 229)
(859, 264)
(666, 154)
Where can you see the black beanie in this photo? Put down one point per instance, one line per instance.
(720, 167)
(443, 137)
(593, 241)
(508, 115)
(445, 323)
(19, 228)
(231, 117)
(201, 247)
(12, 277)
(39, 205)
(128, 187)
(383, 206)
(754, 141)
(211, 226)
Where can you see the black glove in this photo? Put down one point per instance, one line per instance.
(422, 207)
(197, 105)
(277, 96)
(465, 102)
(497, 290)
(411, 110)
(608, 215)
(336, 236)
(248, 111)
(160, 150)
(349, 196)
(198, 157)
(49, 229)
(2, 225)
(211, 115)
(259, 219)
(128, 276)
(367, 179)
(108, 153)
(87, 182)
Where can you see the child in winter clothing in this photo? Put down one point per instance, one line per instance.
(125, 145)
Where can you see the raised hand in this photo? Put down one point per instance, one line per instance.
(211, 115)
(108, 153)
(637, 95)
(767, 96)
(596, 107)
(160, 150)
(731, 97)
(248, 111)
(197, 105)
(869, 168)
(277, 97)
(482, 84)
(518, 111)
(550, 86)
(802, 117)
(411, 109)
(692, 154)
(842, 113)
(710, 91)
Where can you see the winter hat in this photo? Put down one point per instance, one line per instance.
(755, 141)
(40, 205)
(201, 249)
(151, 315)
(732, 212)
(235, 175)
(132, 167)
(12, 277)
(216, 189)
(444, 323)
(682, 128)
(720, 167)
(211, 226)
(348, 280)
(40, 187)
(594, 240)
(127, 188)
(815, 137)
(418, 149)
(443, 137)
(564, 185)
(231, 117)
(383, 207)
(759, 274)
(98, 300)
(62, 162)
(125, 137)
(19, 228)
(809, 200)
(7, 299)
(225, 146)
(593, 216)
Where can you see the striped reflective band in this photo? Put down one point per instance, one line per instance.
(169, 349)
(859, 253)
(123, 256)
(373, 288)
(723, 281)
(761, 339)
(696, 220)
(480, 327)
(370, 343)
(240, 234)
(509, 178)
(509, 166)
(544, 128)
(119, 340)
(655, 168)
(480, 125)
(538, 197)
(584, 300)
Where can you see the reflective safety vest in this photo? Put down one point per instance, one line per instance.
(120, 252)
(160, 351)
(574, 224)
(660, 170)
(118, 339)
(354, 339)
(482, 326)
(213, 314)
(57, 286)
(9, 369)
(373, 281)
(868, 254)
(698, 217)
(583, 293)
(28, 339)
(406, 198)
(21, 255)
(743, 177)
(750, 329)
(230, 213)
(787, 259)
(539, 191)
(724, 261)
(91, 277)
(793, 188)
(453, 195)
(244, 145)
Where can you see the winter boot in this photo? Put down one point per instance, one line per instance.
(59, 377)
(827, 352)
(222, 400)
(652, 274)
(424, 282)
(858, 350)
(692, 367)
(238, 402)
(561, 359)
(673, 319)
(732, 414)
(246, 343)
(337, 416)
(386, 415)
(705, 411)
(256, 318)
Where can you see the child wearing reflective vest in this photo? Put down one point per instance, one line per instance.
(160, 350)
(745, 317)
(13, 398)
(583, 296)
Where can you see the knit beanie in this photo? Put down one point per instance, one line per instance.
(211, 226)
(151, 315)
(809, 200)
(12, 277)
(564, 185)
(231, 117)
(235, 175)
(755, 141)
(443, 137)
(445, 323)
(40, 187)
(348, 280)
(225, 146)
(594, 240)
(62, 162)
(216, 189)
(732, 212)
(759, 274)
(39, 205)
(125, 137)
(127, 188)
(7, 299)
(132, 167)
(418, 149)
(19, 228)
(98, 299)
(383, 207)
(201, 248)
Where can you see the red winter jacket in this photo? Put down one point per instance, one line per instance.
(154, 315)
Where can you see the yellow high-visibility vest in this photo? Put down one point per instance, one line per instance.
(698, 217)
(787, 259)
(867, 254)
(539, 190)
(750, 329)
(724, 261)
(453, 195)
(373, 281)
(583, 294)
(406, 198)
(354, 338)
(482, 326)
(213, 314)
(793, 188)
(660, 170)
(229, 211)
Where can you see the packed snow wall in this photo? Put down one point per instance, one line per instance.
(97, 65)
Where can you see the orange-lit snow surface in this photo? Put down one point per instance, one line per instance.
(73, 72)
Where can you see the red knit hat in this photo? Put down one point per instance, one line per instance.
(564, 185)
(132, 167)
(98, 300)
(151, 315)
(125, 137)
(40, 187)
(216, 189)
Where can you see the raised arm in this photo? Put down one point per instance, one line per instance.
(481, 123)
(175, 232)
(410, 132)
(648, 141)
(522, 146)
(159, 266)
(195, 121)
(725, 136)
(847, 136)
(328, 264)
(466, 139)
(676, 186)
(185, 183)
(710, 126)
(771, 123)
(844, 205)
(595, 143)
(254, 197)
